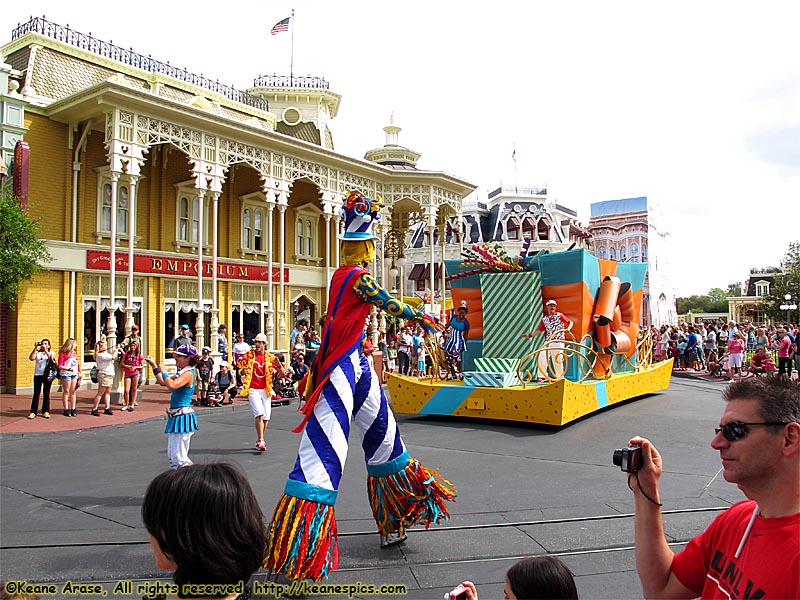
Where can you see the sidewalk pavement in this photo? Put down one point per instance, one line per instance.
(153, 402)
(14, 410)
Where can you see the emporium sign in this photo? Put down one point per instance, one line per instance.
(171, 266)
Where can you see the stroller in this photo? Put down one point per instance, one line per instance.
(283, 390)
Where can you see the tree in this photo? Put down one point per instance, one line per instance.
(716, 301)
(786, 282)
(22, 253)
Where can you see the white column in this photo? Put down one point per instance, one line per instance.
(199, 324)
(442, 283)
(270, 333)
(336, 219)
(215, 353)
(282, 250)
(131, 239)
(327, 259)
(111, 326)
(432, 279)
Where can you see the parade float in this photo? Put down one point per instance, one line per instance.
(511, 372)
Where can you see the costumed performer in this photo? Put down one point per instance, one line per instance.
(342, 388)
(182, 421)
(553, 362)
(257, 368)
(456, 341)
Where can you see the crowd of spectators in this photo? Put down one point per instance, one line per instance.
(729, 349)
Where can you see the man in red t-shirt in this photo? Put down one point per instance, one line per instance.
(257, 369)
(752, 550)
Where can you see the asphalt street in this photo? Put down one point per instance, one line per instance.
(70, 501)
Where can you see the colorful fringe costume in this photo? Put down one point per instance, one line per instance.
(343, 389)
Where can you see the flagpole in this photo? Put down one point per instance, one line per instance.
(515, 169)
(291, 59)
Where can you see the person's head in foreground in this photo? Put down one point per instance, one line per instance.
(534, 577)
(205, 524)
(759, 431)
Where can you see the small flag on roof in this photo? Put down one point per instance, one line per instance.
(282, 25)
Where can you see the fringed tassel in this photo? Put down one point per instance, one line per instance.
(413, 495)
(302, 539)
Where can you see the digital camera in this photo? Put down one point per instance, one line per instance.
(628, 459)
(459, 593)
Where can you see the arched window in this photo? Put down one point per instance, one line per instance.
(644, 252)
(512, 229)
(247, 229)
(300, 246)
(309, 239)
(122, 209)
(634, 252)
(528, 228)
(612, 253)
(543, 228)
(623, 254)
(257, 230)
(123, 197)
(195, 219)
(183, 229)
(602, 252)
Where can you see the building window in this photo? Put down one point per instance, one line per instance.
(124, 204)
(512, 229)
(762, 288)
(254, 217)
(612, 253)
(307, 233)
(634, 253)
(623, 254)
(252, 229)
(543, 229)
(187, 227)
(527, 228)
(602, 252)
(644, 252)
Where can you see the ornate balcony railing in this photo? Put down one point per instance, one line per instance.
(128, 57)
(292, 81)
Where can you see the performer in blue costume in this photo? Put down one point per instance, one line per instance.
(456, 341)
(182, 421)
(341, 389)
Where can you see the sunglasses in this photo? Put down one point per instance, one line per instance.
(736, 430)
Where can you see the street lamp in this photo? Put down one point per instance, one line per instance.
(789, 306)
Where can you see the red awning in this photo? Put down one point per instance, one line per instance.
(423, 272)
(416, 272)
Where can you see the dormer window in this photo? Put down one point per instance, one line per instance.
(762, 288)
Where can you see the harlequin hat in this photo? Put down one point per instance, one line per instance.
(185, 350)
(359, 213)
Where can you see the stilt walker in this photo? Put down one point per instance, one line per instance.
(342, 389)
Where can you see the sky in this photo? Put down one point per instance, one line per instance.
(695, 105)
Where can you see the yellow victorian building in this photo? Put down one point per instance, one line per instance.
(217, 205)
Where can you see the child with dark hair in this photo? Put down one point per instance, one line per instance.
(205, 524)
(534, 577)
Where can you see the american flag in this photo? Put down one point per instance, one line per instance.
(282, 25)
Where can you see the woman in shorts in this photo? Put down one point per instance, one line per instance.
(736, 347)
(105, 377)
(69, 371)
(132, 363)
